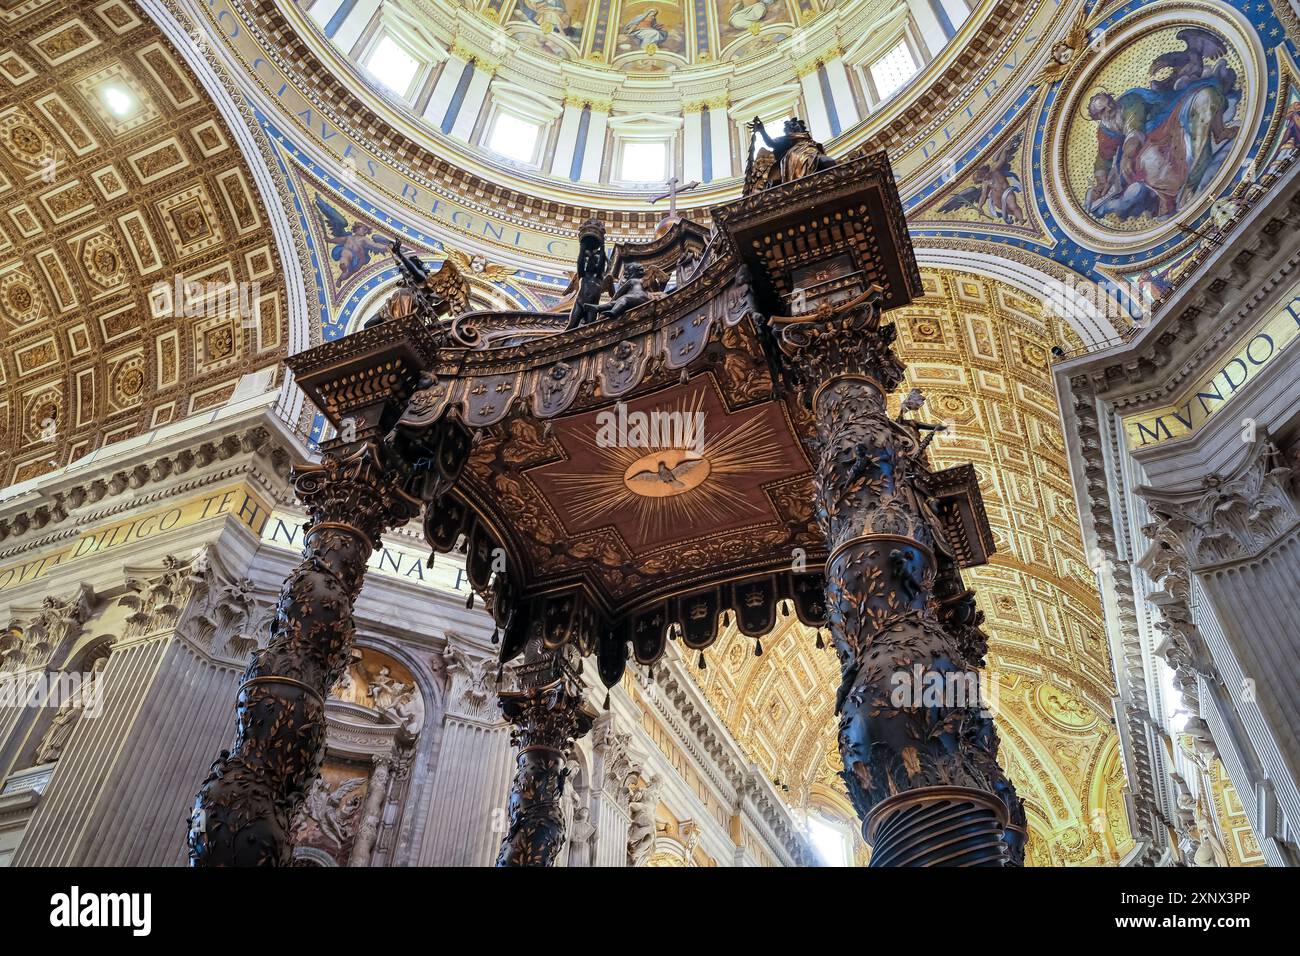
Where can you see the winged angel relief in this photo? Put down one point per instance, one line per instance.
(331, 812)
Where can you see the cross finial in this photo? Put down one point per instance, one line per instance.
(674, 187)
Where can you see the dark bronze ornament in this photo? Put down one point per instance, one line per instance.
(546, 716)
(918, 747)
(804, 494)
(897, 746)
(242, 813)
(360, 489)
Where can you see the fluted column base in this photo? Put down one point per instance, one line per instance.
(938, 826)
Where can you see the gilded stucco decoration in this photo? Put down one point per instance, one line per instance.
(121, 190)
(1239, 839)
(979, 349)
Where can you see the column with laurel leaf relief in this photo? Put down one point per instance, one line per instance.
(923, 777)
(243, 810)
(391, 458)
(547, 714)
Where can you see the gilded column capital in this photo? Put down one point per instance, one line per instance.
(545, 722)
(841, 341)
(578, 99)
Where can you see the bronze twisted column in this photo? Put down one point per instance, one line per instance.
(923, 778)
(243, 810)
(395, 453)
(546, 715)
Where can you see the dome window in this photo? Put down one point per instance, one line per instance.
(644, 162)
(891, 71)
(514, 137)
(390, 64)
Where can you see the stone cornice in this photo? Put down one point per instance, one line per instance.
(193, 454)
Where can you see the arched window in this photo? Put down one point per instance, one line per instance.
(831, 840)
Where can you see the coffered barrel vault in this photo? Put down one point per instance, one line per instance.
(139, 279)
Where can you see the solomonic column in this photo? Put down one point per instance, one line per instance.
(922, 773)
(242, 813)
(547, 714)
(373, 477)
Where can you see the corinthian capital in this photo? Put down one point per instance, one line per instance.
(841, 340)
(1232, 517)
(356, 491)
(471, 682)
(38, 635)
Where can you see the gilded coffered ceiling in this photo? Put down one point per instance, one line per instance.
(120, 185)
(979, 349)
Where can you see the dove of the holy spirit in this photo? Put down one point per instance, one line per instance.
(620, 428)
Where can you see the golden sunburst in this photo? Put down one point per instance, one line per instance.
(675, 489)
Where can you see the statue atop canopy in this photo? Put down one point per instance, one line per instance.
(794, 155)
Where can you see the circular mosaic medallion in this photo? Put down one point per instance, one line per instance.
(1154, 126)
